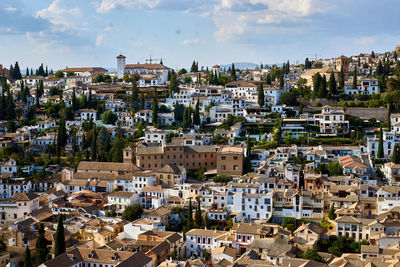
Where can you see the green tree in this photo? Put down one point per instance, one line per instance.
(189, 221)
(103, 143)
(198, 213)
(59, 246)
(59, 74)
(41, 246)
(312, 254)
(27, 257)
(380, 153)
(93, 148)
(396, 155)
(155, 107)
(132, 212)
(206, 222)
(332, 85)
(248, 156)
(118, 146)
(196, 114)
(261, 97)
(173, 84)
(334, 168)
(355, 79)
(135, 96)
(142, 101)
(332, 214)
(341, 78)
(109, 117)
(233, 73)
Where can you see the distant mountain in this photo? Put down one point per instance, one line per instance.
(246, 65)
(241, 65)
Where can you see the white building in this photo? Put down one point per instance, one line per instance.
(18, 207)
(198, 240)
(157, 70)
(122, 199)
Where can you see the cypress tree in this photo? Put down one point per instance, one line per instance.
(142, 101)
(198, 213)
(380, 153)
(261, 97)
(248, 156)
(332, 84)
(93, 148)
(41, 246)
(155, 107)
(75, 103)
(196, 115)
(59, 247)
(17, 72)
(74, 148)
(189, 222)
(355, 79)
(27, 71)
(341, 79)
(135, 96)
(332, 214)
(395, 155)
(233, 73)
(269, 79)
(324, 90)
(281, 81)
(27, 257)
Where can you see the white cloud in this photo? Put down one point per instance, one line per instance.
(236, 17)
(10, 9)
(100, 39)
(61, 18)
(190, 42)
(137, 44)
(233, 18)
(109, 5)
(364, 41)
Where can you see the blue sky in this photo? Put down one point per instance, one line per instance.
(75, 33)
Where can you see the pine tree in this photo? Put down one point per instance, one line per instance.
(261, 97)
(41, 246)
(155, 107)
(59, 247)
(27, 257)
(332, 84)
(196, 115)
(198, 214)
(373, 54)
(248, 156)
(380, 153)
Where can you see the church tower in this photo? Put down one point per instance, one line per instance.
(121, 66)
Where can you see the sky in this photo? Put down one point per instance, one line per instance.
(78, 33)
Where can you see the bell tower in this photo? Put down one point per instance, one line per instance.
(120, 66)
